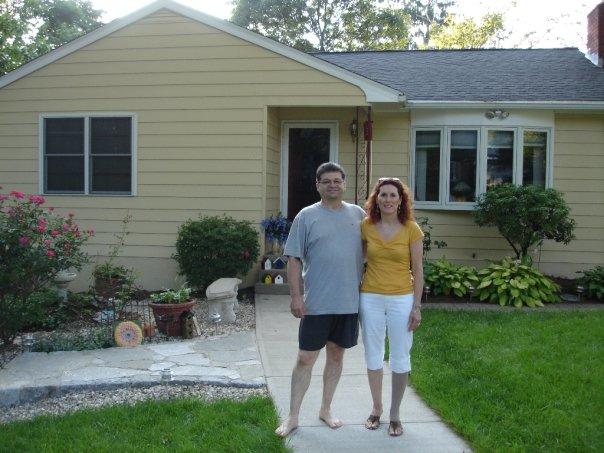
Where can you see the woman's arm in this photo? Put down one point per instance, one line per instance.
(417, 269)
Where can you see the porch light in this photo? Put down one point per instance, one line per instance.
(497, 113)
(353, 128)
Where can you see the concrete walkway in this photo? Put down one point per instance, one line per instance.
(276, 334)
(222, 360)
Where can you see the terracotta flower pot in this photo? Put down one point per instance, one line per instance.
(167, 316)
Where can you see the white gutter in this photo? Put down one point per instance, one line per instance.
(558, 105)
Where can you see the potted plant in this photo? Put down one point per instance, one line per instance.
(110, 278)
(276, 229)
(168, 307)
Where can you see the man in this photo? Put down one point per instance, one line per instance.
(324, 248)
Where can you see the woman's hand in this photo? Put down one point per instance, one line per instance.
(415, 319)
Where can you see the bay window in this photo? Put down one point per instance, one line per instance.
(453, 165)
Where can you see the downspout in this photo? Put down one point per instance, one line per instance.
(356, 162)
(368, 135)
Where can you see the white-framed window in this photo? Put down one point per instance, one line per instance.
(452, 165)
(88, 154)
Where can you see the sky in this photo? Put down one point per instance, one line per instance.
(549, 23)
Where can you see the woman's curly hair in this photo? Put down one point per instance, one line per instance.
(405, 211)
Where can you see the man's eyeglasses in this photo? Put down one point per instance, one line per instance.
(327, 182)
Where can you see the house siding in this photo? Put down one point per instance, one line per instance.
(200, 96)
(578, 150)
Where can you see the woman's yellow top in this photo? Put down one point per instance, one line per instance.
(388, 268)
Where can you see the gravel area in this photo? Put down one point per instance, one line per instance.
(79, 400)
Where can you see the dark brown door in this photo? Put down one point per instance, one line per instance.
(308, 148)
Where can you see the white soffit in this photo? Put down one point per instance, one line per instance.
(374, 91)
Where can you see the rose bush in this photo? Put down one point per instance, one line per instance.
(35, 244)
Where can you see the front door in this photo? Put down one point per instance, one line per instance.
(305, 147)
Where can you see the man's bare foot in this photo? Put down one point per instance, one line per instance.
(288, 425)
(333, 423)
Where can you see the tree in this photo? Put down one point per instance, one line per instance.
(467, 33)
(30, 28)
(325, 25)
(525, 215)
(426, 14)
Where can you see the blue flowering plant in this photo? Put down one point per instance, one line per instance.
(276, 228)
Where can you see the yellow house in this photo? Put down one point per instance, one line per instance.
(169, 113)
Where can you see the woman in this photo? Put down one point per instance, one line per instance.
(390, 293)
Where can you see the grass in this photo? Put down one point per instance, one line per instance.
(152, 426)
(515, 381)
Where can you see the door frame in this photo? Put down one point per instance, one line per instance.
(286, 125)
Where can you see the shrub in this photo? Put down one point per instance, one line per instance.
(424, 224)
(593, 281)
(515, 282)
(525, 215)
(213, 247)
(445, 278)
(35, 244)
(97, 338)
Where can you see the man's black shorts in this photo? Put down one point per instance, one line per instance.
(316, 330)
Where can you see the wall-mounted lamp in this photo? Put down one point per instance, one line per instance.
(497, 113)
(353, 128)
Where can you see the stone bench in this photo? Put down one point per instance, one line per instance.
(222, 298)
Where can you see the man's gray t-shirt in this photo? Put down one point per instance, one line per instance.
(329, 244)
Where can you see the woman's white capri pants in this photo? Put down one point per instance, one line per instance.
(378, 311)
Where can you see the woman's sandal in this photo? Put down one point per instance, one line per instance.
(373, 422)
(395, 429)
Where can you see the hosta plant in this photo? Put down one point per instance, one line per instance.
(517, 283)
(593, 281)
(448, 278)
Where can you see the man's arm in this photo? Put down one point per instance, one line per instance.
(294, 277)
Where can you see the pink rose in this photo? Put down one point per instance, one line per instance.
(23, 241)
(3, 197)
(47, 242)
(17, 194)
(65, 227)
(50, 253)
(37, 199)
(54, 233)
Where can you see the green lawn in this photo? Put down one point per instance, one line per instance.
(515, 381)
(176, 425)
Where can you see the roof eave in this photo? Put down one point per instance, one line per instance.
(374, 91)
(558, 105)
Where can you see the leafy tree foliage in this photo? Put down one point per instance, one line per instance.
(525, 215)
(30, 28)
(426, 14)
(467, 33)
(325, 25)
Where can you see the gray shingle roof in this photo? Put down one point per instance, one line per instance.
(480, 75)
